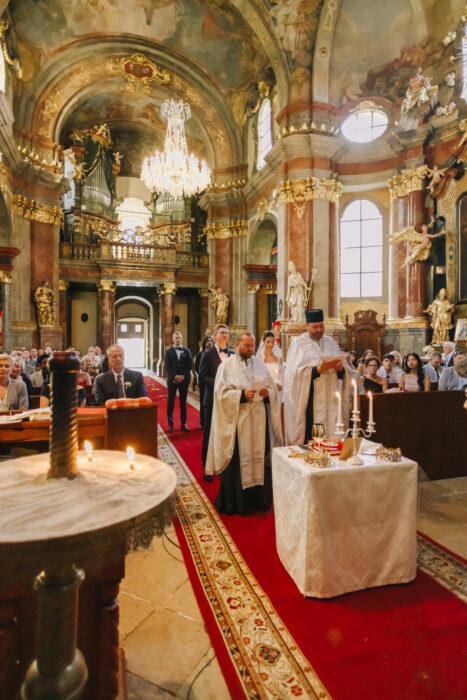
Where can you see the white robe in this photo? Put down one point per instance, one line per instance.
(247, 419)
(304, 354)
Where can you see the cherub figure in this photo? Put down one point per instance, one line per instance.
(419, 243)
(436, 175)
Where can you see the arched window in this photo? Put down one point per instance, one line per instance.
(361, 250)
(264, 133)
(365, 125)
(132, 213)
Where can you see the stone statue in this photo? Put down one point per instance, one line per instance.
(419, 92)
(297, 294)
(220, 304)
(440, 311)
(45, 304)
(419, 243)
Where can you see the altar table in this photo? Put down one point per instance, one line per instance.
(345, 528)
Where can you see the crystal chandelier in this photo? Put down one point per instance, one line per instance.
(174, 171)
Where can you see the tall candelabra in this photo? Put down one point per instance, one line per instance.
(356, 431)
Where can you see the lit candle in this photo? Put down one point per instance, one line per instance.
(88, 448)
(339, 408)
(130, 453)
(355, 397)
(370, 409)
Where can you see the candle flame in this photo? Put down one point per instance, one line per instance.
(354, 383)
(130, 453)
(338, 395)
(369, 395)
(88, 446)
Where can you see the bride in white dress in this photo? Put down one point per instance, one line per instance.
(271, 354)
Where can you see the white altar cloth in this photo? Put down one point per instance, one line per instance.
(345, 528)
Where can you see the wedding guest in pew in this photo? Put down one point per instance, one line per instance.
(433, 367)
(20, 376)
(13, 393)
(119, 382)
(388, 371)
(353, 359)
(397, 359)
(413, 377)
(372, 382)
(449, 348)
(40, 376)
(362, 362)
(455, 377)
(45, 394)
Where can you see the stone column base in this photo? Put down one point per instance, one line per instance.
(49, 335)
(406, 339)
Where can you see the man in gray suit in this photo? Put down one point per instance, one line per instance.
(455, 377)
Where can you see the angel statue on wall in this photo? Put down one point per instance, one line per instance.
(220, 304)
(440, 311)
(298, 293)
(419, 243)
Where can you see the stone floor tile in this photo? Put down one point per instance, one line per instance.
(183, 601)
(206, 681)
(133, 611)
(140, 689)
(165, 649)
(155, 576)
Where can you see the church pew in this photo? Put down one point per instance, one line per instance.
(133, 427)
(429, 427)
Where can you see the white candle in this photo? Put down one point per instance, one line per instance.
(370, 409)
(339, 408)
(355, 397)
(88, 448)
(130, 453)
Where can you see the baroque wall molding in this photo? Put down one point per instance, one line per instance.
(36, 211)
(409, 180)
(230, 229)
(300, 192)
(138, 71)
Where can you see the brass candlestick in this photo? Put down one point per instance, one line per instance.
(64, 416)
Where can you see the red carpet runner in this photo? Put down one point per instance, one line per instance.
(387, 643)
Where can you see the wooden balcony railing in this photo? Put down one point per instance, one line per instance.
(126, 252)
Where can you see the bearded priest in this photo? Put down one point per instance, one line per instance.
(314, 366)
(246, 425)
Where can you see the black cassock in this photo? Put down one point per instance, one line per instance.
(232, 498)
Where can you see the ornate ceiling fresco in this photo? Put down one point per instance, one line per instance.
(378, 46)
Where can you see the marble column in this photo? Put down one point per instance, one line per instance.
(271, 301)
(106, 314)
(204, 320)
(252, 311)
(5, 301)
(416, 297)
(167, 321)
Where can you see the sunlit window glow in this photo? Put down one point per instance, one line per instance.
(364, 126)
(361, 250)
(264, 133)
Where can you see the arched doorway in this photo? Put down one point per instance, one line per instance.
(133, 319)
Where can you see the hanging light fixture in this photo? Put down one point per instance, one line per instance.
(174, 171)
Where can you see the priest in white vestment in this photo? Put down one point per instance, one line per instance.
(314, 366)
(246, 425)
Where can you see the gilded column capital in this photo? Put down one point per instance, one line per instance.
(271, 289)
(204, 293)
(36, 211)
(300, 192)
(5, 277)
(253, 287)
(167, 288)
(230, 229)
(409, 180)
(62, 285)
(106, 286)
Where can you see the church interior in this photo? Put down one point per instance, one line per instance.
(331, 142)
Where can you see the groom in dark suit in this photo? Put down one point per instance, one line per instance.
(206, 378)
(177, 364)
(118, 382)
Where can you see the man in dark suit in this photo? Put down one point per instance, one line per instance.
(210, 361)
(177, 365)
(118, 382)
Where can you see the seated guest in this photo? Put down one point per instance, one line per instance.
(48, 350)
(433, 368)
(91, 363)
(388, 371)
(39, 377)
(119, 382)
(84, 379)
(449, 349)
(13, 393)
(363, 359)
(397, 359)
(353, 359)
(455, 377)
(28, 367)
(18, 374)
(373, 382)
(45, 394)
(413, 378)
(32, 359)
